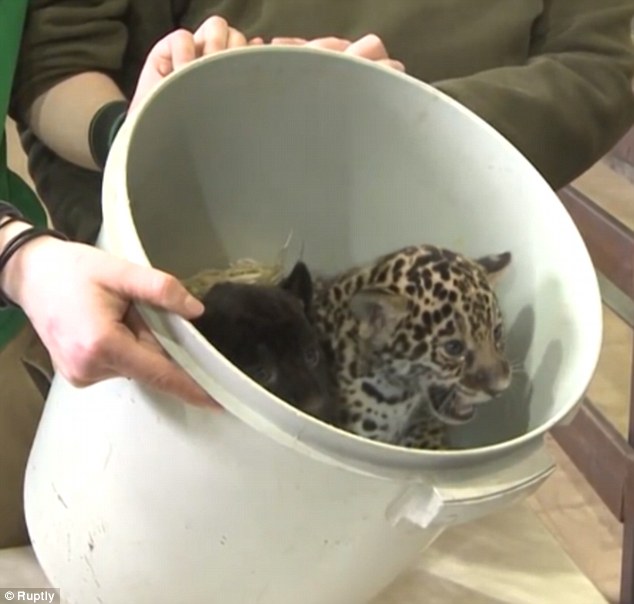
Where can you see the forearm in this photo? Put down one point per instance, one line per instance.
(60, 82)
(18, 237)
(62, 115)
(10, 278)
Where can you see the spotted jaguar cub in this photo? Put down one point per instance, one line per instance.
(416, 341)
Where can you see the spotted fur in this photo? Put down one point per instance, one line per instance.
(416, 339)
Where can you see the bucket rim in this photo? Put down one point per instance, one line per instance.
(119, 236)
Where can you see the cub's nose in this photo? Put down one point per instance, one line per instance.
(500, 378)
(493, 379)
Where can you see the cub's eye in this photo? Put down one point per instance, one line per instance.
(498, 333)
(263, 375)
(454, 348)
(312, 356)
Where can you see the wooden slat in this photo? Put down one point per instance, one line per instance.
(600, 452)
(630, 435)
(610, 242)
(627, 566)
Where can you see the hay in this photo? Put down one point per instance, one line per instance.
(244, 270)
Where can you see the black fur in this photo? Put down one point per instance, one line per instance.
(265, 332)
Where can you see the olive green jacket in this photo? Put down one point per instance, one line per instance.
(12, 188)
(553, 76)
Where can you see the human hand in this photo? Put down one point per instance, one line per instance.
(181, 47)
(79, 300)
(369, 47)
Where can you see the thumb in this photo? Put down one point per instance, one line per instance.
(153, 287)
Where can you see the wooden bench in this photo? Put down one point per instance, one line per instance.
(598, 449)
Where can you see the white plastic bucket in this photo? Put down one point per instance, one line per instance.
(134, 497)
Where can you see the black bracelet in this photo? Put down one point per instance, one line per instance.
(15, 244)
(6, 209)
(103, 128)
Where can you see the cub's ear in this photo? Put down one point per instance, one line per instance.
(378, 311)
(299, 283)
(495, 265)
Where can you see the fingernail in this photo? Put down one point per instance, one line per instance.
(194, 306)
(211, 404)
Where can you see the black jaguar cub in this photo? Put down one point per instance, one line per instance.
(264, 331)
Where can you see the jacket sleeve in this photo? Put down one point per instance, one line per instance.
(65, 37)
(573, 99)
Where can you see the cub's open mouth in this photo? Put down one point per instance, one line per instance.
(446, 405)
(453, 412)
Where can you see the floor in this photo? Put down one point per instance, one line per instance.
(556, 543)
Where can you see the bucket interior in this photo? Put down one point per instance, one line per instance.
(239, 150)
